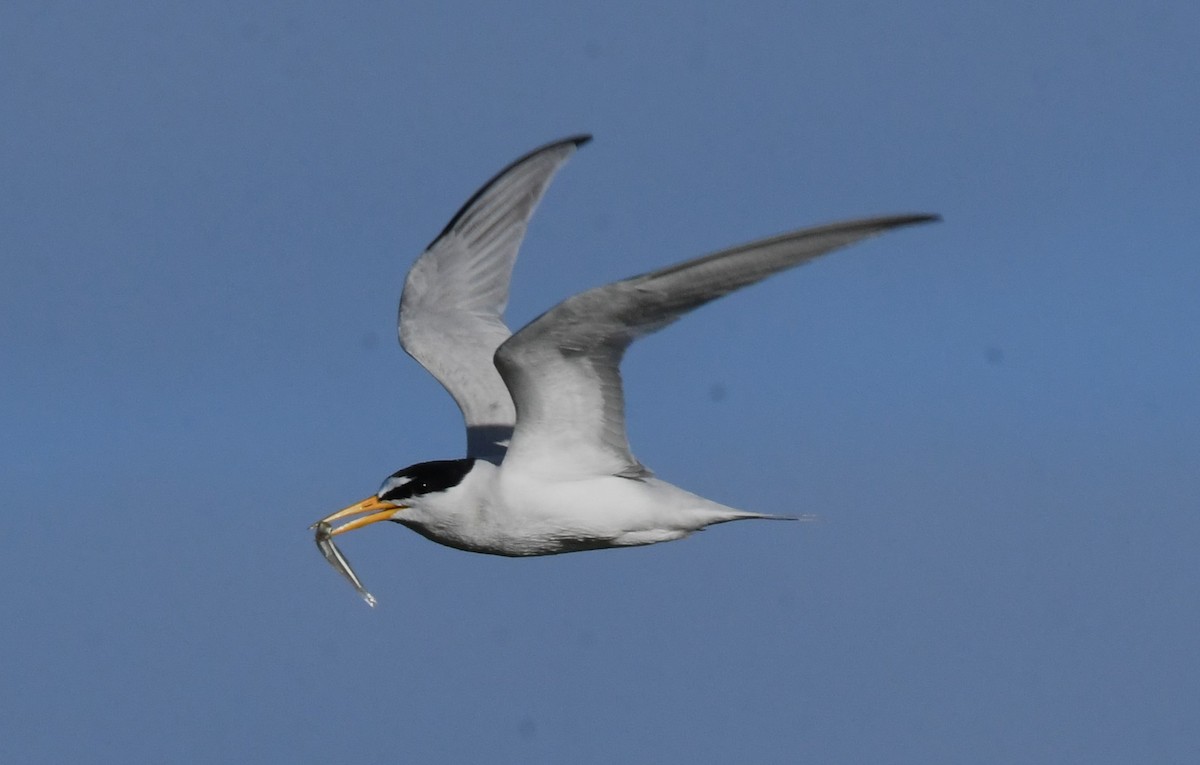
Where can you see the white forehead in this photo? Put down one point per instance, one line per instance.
(392, 482)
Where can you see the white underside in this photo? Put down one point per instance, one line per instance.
(505, 513)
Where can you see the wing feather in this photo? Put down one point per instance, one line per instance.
(455, 294)
(563, 367)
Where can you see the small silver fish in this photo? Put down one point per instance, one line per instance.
(338, 561)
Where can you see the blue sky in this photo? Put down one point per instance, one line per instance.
(206, 214)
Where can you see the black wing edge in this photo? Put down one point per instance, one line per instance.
(577, 140)
(920, 218)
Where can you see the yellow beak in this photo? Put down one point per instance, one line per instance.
(378, 511)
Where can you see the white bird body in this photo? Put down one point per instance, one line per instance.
(548, 467)
(508, 512)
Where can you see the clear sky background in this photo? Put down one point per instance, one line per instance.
(206, 214)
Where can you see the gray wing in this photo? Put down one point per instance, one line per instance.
(562, 368)
(456, 292)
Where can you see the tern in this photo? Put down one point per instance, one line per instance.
(548, 468)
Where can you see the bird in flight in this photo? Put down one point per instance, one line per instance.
(548, 467)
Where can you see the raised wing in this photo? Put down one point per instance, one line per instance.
(455, 294)
(562, 368)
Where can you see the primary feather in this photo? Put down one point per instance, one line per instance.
(563, 367)
(455, 294)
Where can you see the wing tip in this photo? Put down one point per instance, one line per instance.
(913, 219)
(880, 224)
(575, 141)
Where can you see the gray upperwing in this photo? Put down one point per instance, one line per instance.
(562, 368)
(455, 294)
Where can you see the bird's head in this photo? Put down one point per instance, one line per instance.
(405, 495)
